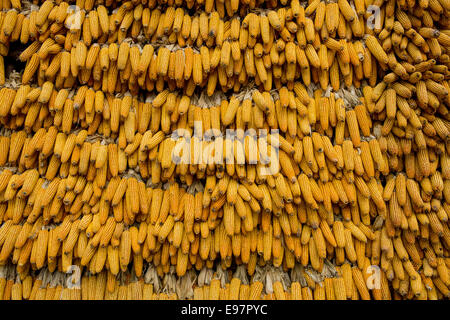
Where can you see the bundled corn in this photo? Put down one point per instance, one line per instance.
(273, 47)
(249, 150)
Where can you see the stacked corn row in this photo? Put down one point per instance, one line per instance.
(108, 100)
(268, 283)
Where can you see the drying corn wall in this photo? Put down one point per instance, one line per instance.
(119, 179)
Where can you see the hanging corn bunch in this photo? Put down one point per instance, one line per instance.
(154, 150)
